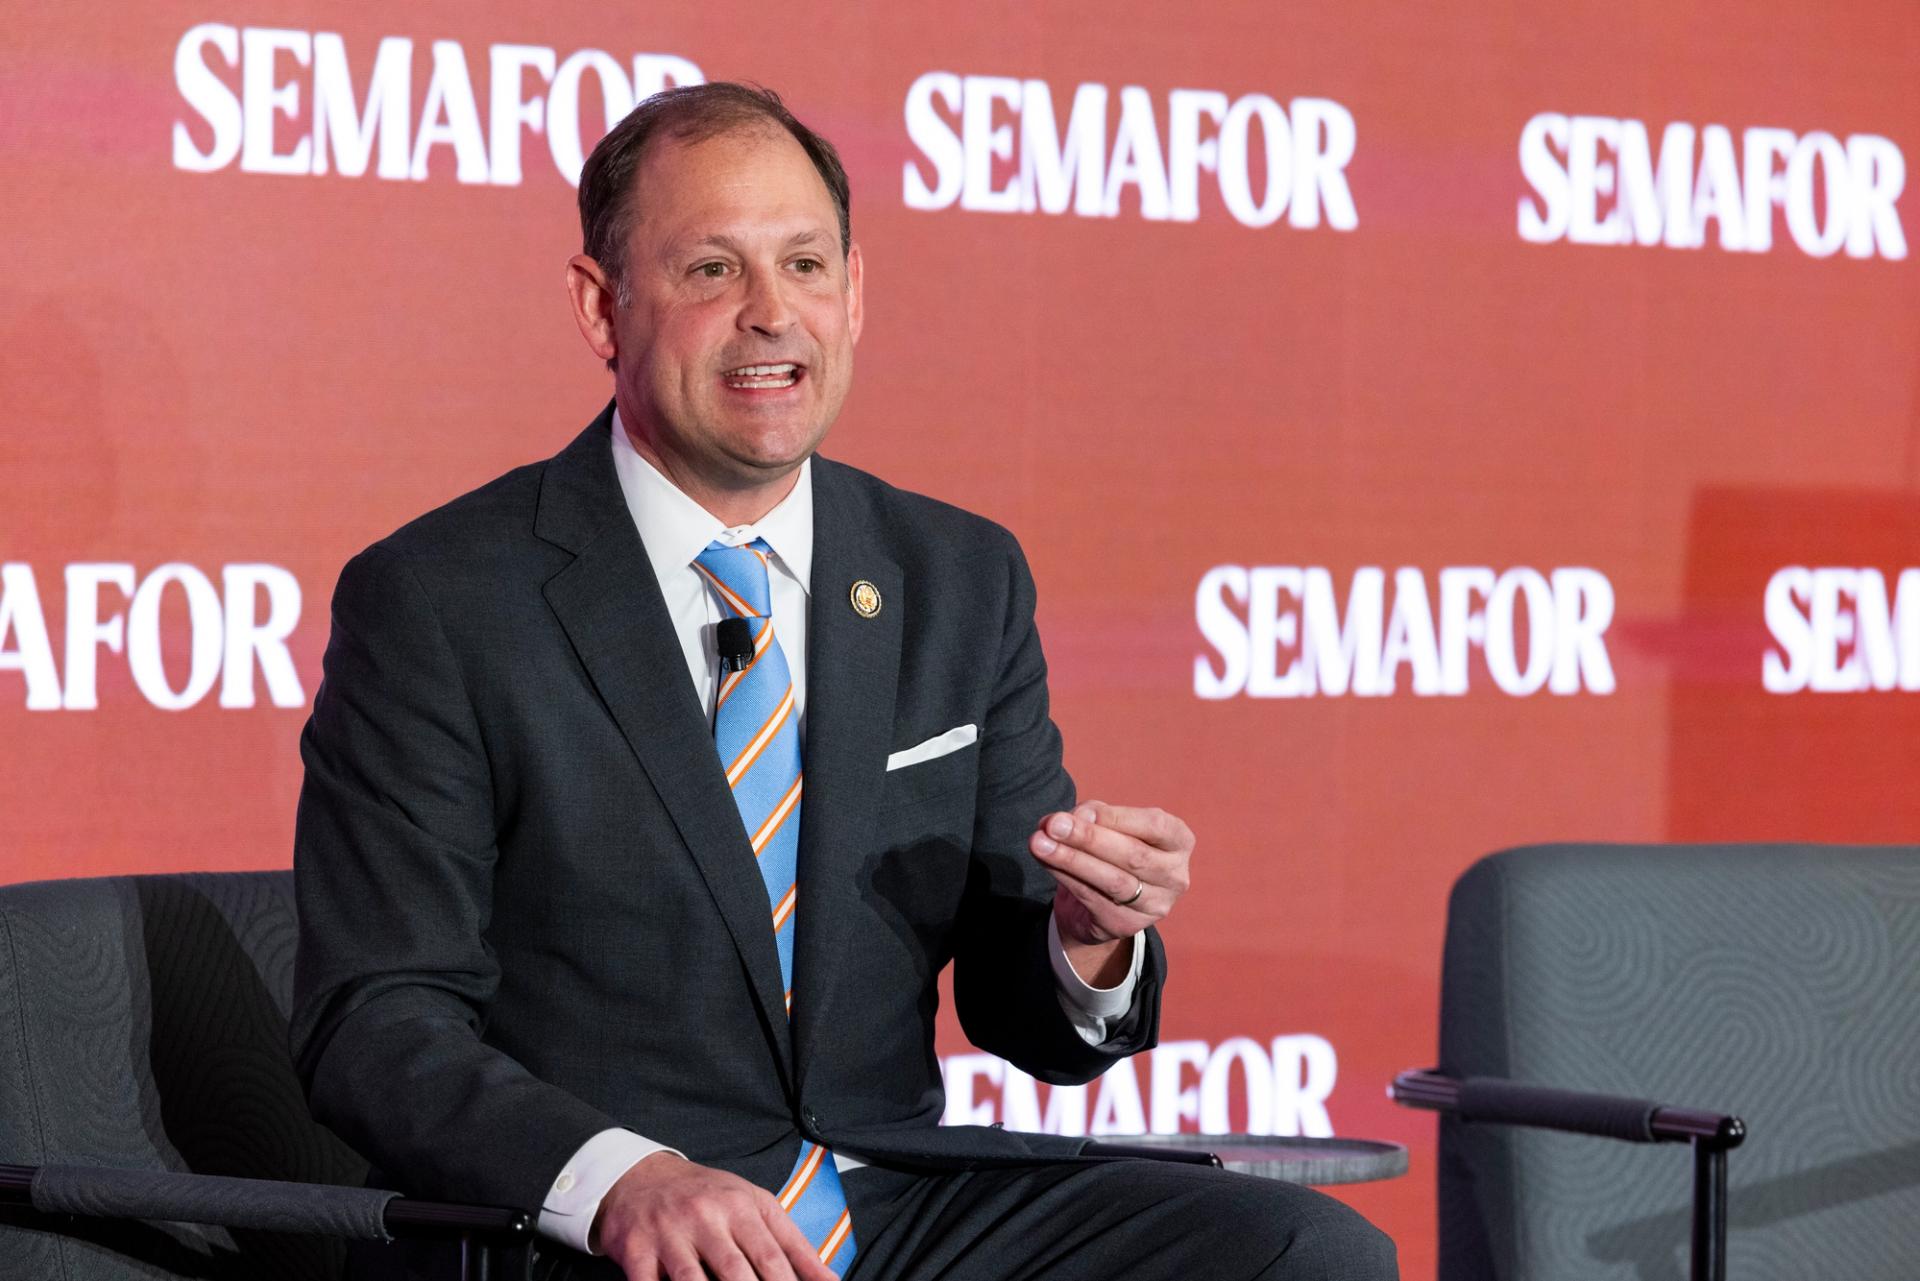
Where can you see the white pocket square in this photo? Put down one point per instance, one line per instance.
(939, 745)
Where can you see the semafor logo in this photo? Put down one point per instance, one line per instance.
(1278, 631)
(993, 144)
(1241, 1084)
(282, 101)
(1597, 180)
(234, 631)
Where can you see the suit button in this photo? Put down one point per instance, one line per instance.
(812, 1118)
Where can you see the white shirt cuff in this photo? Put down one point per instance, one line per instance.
(574, 1199)
(1090, 1008)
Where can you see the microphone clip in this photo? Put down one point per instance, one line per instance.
(733, 639)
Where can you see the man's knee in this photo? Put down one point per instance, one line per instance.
(1265, 1230)
(1333, 1243)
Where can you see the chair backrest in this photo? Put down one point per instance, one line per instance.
(1778, 983)
(143, 1024)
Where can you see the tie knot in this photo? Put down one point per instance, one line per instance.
(738, 577)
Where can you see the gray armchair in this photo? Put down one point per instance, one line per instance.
(150, 1121)
(1779, 984)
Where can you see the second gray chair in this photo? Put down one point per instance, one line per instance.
(1779, 983)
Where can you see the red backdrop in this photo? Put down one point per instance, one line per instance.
(1611, 303)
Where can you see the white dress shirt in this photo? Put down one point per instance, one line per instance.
(674, 530)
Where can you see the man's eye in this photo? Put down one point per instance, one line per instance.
(712, 270)
(808, 265)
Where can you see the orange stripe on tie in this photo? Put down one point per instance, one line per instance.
(778, 818)
(751, 752)
(727, 594)
(837, 1237)
(797, 1185)
(789, 1000)
(784, 908)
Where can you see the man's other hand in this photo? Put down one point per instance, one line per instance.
(668, 1217)
(1118, 870)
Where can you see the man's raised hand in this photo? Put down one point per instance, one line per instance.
(1117, 870)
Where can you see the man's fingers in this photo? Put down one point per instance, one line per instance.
(1118, 869)
(759, 1241)
(1112, 879)
(1113, 920)
(800, 1252)
(680, 1264)
(1086, 830)
(1128, 853)
(693, 1223)
(810, 1268)
(726, 1263)
(1152, 825)
(770, 1262)
(748, 1249)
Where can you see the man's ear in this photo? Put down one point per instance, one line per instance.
(593, 298)
(856, 313)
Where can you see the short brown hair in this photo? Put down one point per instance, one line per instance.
(686, 113)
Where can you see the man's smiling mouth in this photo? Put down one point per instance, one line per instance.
(763, 377)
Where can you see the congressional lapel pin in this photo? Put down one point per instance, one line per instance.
(866, 599)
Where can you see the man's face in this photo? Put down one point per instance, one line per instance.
(737, 349)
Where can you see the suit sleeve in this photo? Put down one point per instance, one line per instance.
(393, 860)
(1004, 987)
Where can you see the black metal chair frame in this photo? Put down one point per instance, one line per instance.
(1502, 1102)
(478, 1232)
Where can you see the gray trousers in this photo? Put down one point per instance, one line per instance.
(1106, 1221)
(1138, 1220)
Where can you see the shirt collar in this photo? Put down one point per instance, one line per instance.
(674, 529)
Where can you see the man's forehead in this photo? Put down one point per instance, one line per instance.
(754, 182)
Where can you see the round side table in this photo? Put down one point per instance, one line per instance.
(1311, 1161)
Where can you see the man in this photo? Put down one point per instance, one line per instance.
(596, 922)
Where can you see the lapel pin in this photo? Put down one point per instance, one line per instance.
(866, 599)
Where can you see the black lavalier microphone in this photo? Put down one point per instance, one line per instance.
(734, 639)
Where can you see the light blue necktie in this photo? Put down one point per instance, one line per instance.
(757, 731)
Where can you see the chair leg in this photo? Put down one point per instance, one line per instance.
(476, 1260)
(1709, 1211)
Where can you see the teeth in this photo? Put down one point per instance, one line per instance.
(763, 377)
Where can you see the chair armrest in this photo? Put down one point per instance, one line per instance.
(320, 1209)
(1487, 1098)
(1146, 1152)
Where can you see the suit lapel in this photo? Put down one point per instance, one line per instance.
(853, 665)
(610, 606)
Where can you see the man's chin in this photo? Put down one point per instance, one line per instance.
(769, 456)
(743, 472)
(762, 470)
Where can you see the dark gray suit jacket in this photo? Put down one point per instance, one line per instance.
(529, 911)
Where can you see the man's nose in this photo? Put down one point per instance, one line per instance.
(766, 308)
